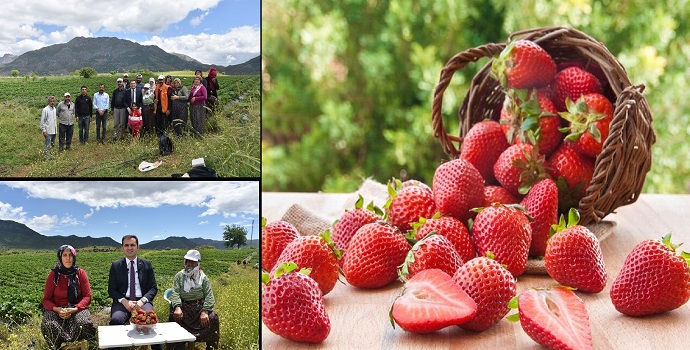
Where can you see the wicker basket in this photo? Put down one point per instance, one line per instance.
(626, 156)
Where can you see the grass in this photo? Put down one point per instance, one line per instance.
(231, 145)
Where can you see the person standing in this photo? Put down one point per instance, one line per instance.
(131, 283)
(49, 127)
(66, 298)
(118, 105)
(83, 105)
(200, 74)
(147, 110)
(161, 106)
(133, 96)
(197, 106)
(212, 83)
(180, 110)
(135, 121)
(101, 103)
(125, 80)
(140, 85)
(65, 115)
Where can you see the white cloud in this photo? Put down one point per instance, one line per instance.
(89, 214)
(113, 222)
(41, 224)
(197, 20)
(203, 222)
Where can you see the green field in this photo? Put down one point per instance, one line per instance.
(231, 145)
(235, 288)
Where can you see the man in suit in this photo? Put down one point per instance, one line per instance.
(125, 272)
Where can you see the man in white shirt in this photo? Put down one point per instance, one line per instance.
(49, 127)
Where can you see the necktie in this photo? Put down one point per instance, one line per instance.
(134, 99)
(132, 293)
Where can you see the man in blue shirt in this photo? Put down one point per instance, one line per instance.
(101, 103)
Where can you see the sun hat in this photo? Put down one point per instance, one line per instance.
(193, 255)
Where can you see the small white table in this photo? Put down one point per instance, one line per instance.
(125, 335)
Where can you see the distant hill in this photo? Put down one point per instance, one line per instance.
(14, 235)
(174, 242)
(7, 58)
(107, 54)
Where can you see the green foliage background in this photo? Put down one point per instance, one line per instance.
(347, 85)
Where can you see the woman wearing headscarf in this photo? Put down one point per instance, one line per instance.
(66, 299)
(212, 89)
(180, 110)
(197, 105)
(192, 302)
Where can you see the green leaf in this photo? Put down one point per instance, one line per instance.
(513, 317)
(360, 201)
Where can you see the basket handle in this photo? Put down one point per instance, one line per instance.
(457, 62)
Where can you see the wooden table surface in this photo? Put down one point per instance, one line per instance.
(359, 318)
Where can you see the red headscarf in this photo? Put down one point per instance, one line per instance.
(212, 75)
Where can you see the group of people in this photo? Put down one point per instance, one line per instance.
(140, 107)
(131, 284)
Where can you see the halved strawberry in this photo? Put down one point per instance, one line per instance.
(554, 317)
(431, 301)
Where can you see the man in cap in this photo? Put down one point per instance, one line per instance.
(84, 109)
(118, 104)
(65, 114)
(125, 80)
(161, 106)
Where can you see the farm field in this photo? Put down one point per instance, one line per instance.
(231, 145)
(235, 288)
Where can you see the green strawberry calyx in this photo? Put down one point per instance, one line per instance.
(502, 64)
(404, 269)
(666, 240)
(581, 120)
(573, 219)
(284, 269)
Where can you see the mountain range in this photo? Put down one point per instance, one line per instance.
(15, 235)
(106, 54)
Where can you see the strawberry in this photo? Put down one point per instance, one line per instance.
(408, 204)
(482, 145)
(573, 256)
(535, 120)
(491, 286)
(590, 118)
(417, 183)
(457, 187)
(572, 82)
(430, 301)
(374, 254)
(452, 229)
(433, 251)
(541, 204)
(653, 279)
(555, 317)
(275, 236)
(292, 306)
(576, 171)
(317, 253)
(351, 221)
(523, 64)
(589, 66)
(504, 231)
(519, 167)
(498, 194)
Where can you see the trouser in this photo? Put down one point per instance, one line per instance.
(84, 122)
(148, 119)
(65, 136)
(101, 119)
(120, 121)
(162, 122)
(48, 146)
(119, 315)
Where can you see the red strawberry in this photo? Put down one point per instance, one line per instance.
(316, 253)
(589, 66)
(408, 204)
(572, 82)
(505, 232)
(374, 254)
(351, 221)
(589, 119)
(490, 286)
(292, 306)
(431, 301)
(498, 194)
(433, 251)
(577, 171)
(417, 183)
(653, 279)
(274, 238)
(451, 228)
(535, 120)
(482, 145)
(458, 187)
(523, 64)
(541, 204)
(573, 256)
(519, 167)
(555, 317)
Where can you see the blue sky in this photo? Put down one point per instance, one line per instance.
(219, 32)
(152, 210)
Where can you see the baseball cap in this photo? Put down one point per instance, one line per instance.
(193, 255)
(67, 94)
(126, 75)
(147, 86)
(119, 80)
(161, 77)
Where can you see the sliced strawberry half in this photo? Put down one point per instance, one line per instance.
(555, 317)
(431, 301)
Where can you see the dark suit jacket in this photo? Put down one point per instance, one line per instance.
(118, 279)
(128, 98)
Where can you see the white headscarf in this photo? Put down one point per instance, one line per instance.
(193, 277)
